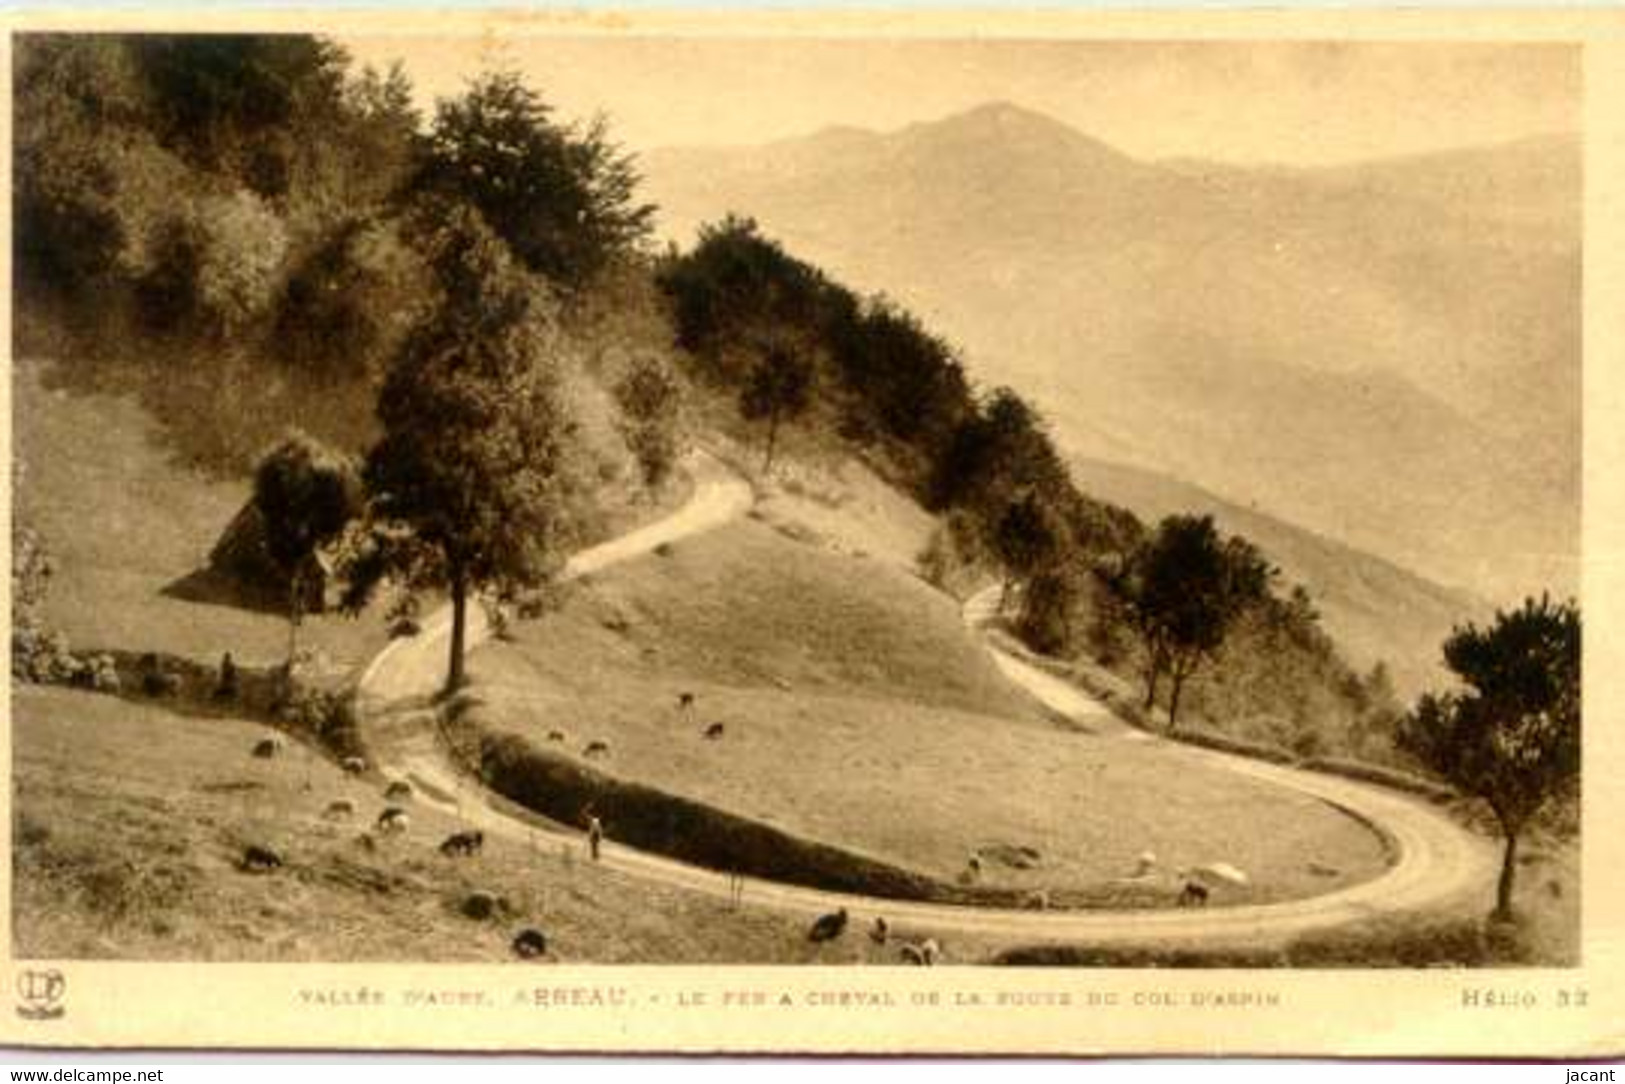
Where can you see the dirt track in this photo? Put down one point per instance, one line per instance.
(1436, 861)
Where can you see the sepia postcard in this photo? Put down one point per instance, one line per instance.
(794, 532)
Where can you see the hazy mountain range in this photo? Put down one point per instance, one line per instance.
(1387, 354)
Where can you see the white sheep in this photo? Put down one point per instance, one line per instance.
(394, 821)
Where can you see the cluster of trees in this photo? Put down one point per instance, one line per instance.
(295, 223)
(229, 221)
(1182, 591)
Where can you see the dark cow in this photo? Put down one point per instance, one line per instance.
(714, 731)
(1194, 895)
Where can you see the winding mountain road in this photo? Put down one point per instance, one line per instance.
(1436, 861)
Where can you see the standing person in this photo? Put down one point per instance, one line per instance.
(226, 689)
(595, 834)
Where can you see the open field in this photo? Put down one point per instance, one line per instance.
(128, 526)
(1546, 933)
(128, 823)
(856, 711)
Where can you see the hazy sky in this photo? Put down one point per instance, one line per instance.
(1293, 103)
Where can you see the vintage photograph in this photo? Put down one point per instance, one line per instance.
(888, 500)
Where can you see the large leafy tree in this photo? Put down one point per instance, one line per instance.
(1184, 589)
(564, 198)
(306, 495)
(738, 286)
(469, 484)
(248, 105)
(1513, 736)
(999, 450)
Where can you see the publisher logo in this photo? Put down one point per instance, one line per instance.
(39, 994)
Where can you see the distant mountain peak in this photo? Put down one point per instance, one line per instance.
(1002, 129)
(1006, 113)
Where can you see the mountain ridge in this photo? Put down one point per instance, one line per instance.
(1397, 368)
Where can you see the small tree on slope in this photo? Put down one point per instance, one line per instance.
(1513, 737)
(468, 485)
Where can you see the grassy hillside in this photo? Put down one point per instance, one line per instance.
(1375, 610)
(129, 821)
(129, 815)
(130, 528)
(857, 711)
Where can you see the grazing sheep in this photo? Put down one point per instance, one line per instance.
(1194, 894)
(714, 731)
(463, 843)
(399, 790)
(879, 931)
(924, 954)
(529, 943)
(1036, 900)
(596, 749)
(1223, 871)
(257, 859)
(267, 748)
(155, 680)
(480, 905)
(339, 808)
(394, 820)
(104, 674)
(555, 735)
(828, 927)
(353, 765)
(1145, 864)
